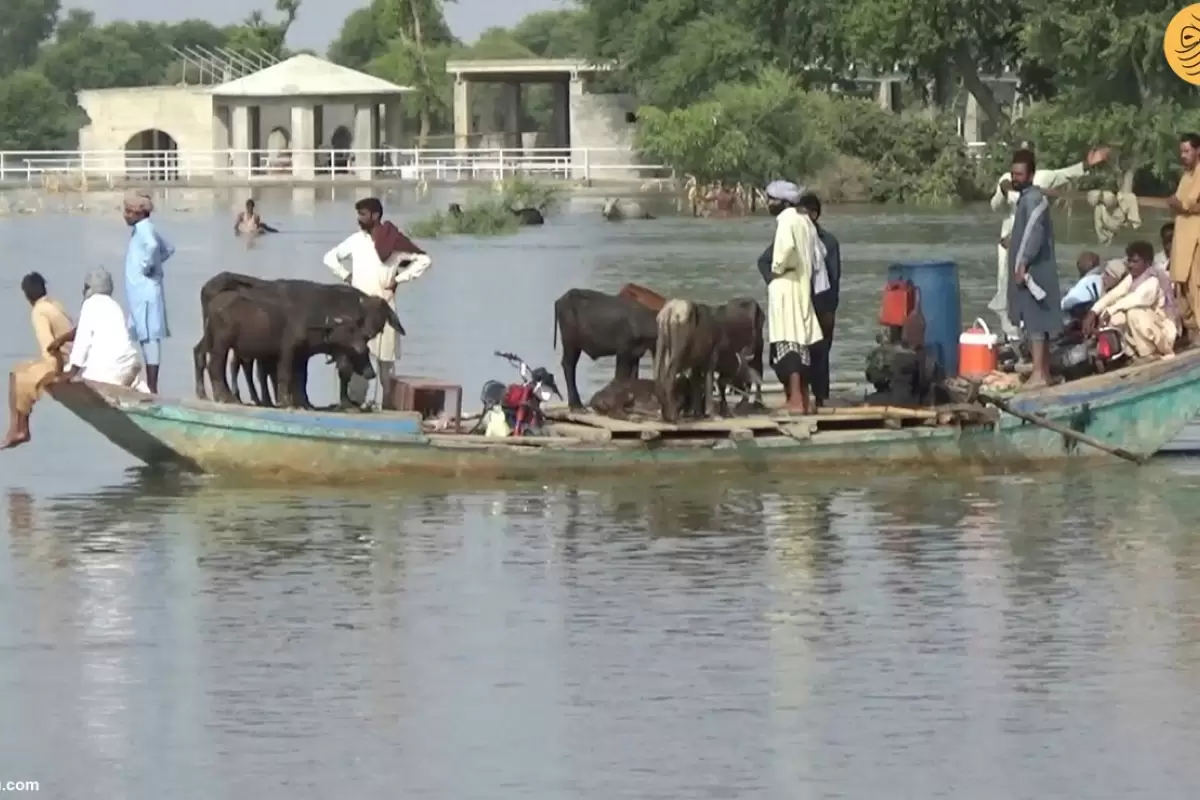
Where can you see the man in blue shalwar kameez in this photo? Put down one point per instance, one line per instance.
(144, 260)
(1033, 293)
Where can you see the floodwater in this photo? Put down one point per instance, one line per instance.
(894, 637)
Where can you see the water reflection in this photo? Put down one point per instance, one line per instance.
(750, 637)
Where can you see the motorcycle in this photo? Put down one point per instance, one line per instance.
(1072, 355)
(516, 409)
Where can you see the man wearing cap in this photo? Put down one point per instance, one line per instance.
(797, 271)
(101, 347)
(144, 259)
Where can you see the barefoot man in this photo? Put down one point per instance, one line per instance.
(1185, 247)
(144, 260)
(25, 383)
(1034, 301)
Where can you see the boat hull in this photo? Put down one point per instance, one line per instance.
(1141, 409)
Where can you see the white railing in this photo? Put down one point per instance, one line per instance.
(67, 167)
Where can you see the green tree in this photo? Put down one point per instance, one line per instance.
(367, 32)
(1105, 51)
(75, 23)
(552, 34)
(745, 132)
(24, 25)
(937, 41)
(401, 64)
(672, 52)
(258, 34)
(93, 58)
(34, 115)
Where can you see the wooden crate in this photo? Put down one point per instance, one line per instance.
(426, 396)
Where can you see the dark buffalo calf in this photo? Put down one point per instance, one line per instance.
(257, 325)
(740, 355)
(332, 299)
(624, 396)
(601, 325)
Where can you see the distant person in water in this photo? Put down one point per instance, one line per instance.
(250, 222)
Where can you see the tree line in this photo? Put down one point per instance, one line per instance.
(741, 90)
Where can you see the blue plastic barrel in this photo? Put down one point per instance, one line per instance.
(938, 295)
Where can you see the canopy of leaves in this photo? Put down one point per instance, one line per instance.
(746, 132)
(35, 115)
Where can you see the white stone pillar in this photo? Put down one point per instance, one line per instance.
(512, 114)
(366, 140)
(462, 114)
(304, 141)
(971, 127)
(887, 94)
(579, 155)
(239, 140)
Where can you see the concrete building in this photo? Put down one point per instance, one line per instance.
(301, 116)
(596, 126)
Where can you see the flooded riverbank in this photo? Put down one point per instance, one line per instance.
(1001, 637)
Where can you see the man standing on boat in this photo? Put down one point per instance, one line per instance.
(1034, 303)
(1185, 245)
(144, 260)
(375, 260)
(1005, 196)
(825, 302)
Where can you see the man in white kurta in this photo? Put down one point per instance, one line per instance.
(1006, 198)
(103, 350)
(797, 266)
(357, 261)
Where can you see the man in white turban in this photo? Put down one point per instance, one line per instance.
(797, 271)
(102, 350)
(144, 259)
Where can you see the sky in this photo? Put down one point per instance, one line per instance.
(319, 20)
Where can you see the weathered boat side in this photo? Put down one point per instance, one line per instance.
(1141, 409)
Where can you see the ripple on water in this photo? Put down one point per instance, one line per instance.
(859, 637)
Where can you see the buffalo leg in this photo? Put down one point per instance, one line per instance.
(200, 359)
(265, 368)
(287, 378)
(235, 369)
(706, 382)
(302, 400)
(627, 367)
(570, 363)
(723, 404)
(247, 368)
(217, 375)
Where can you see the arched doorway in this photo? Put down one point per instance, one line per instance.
(340, 142)
(152, 155)
(279, 144)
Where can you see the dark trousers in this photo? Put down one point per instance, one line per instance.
(820, 356)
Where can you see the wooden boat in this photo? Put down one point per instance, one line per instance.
(1140, 408)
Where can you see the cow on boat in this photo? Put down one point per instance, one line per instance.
(698, 344)
(259, 325)
(601, 325)
(332, 299)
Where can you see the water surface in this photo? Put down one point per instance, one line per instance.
(996, 637)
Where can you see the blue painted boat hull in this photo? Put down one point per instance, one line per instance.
(1140, 408)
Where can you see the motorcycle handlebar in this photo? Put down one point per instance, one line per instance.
(509, 357)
